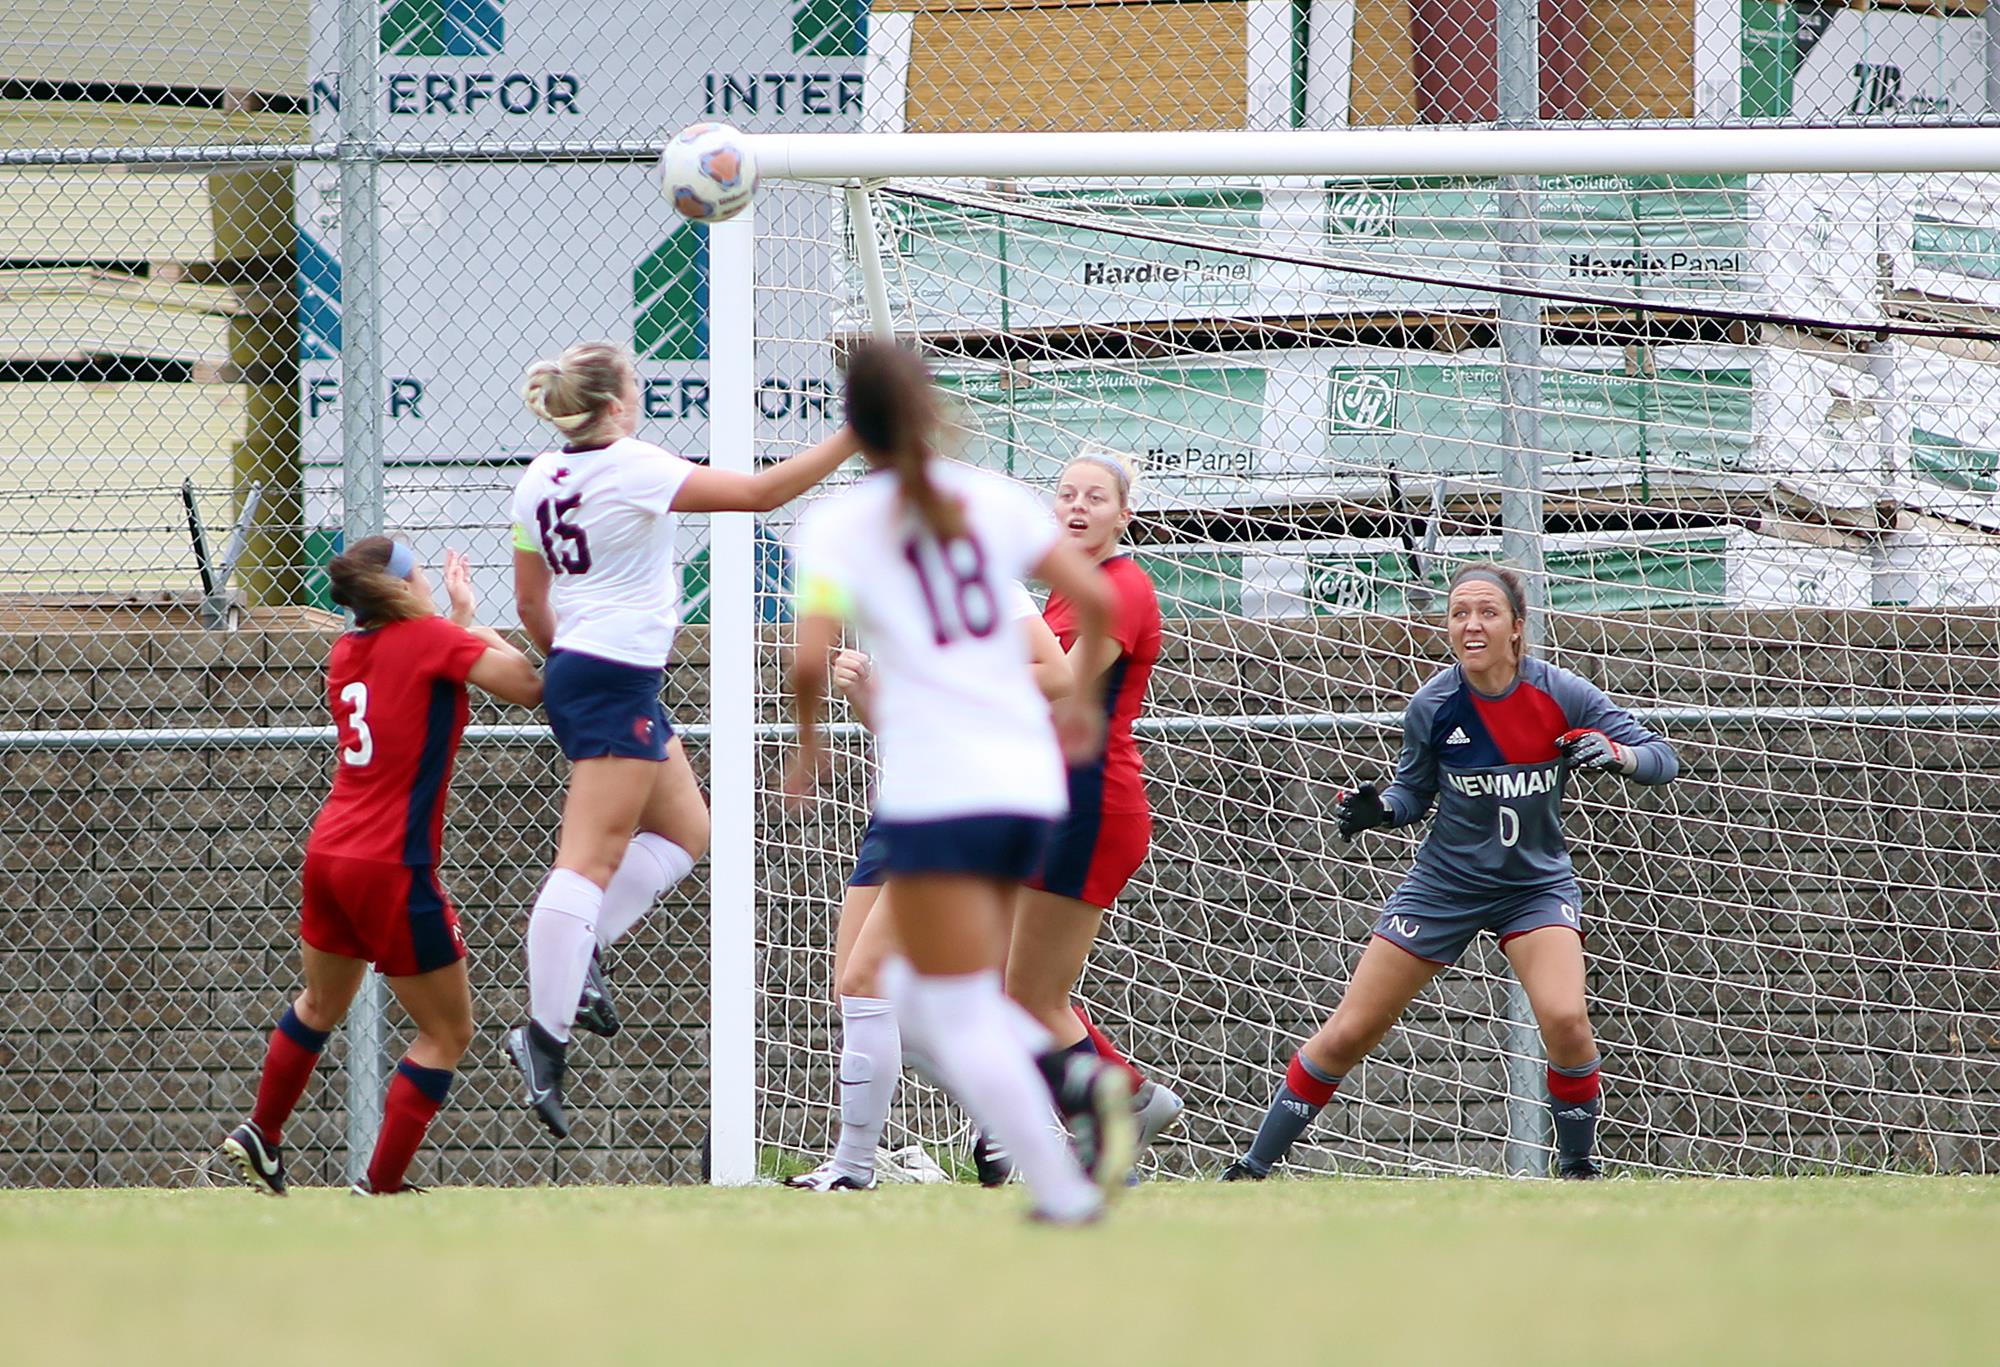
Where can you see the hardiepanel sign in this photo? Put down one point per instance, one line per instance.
(1280, 426)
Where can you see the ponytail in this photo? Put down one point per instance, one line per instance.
(943, 518)
(894, 412)
(573, 393)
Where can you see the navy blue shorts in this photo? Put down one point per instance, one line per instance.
(600, 707)
(871, 859)
(1441, 934)
(1008, 848)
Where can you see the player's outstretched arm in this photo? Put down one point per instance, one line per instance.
(503, 670)
(731, 491)
(1410, 794)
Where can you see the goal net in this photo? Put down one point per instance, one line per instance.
(1752, 428)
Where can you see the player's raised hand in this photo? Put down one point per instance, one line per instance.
(1597, 752)
(851, 670)
(1358, 809)
(458, 589)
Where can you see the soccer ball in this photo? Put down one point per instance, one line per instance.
(708, 172)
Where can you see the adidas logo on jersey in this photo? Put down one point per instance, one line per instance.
(1458, 737)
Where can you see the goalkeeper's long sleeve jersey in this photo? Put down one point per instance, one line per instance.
(1491, 766)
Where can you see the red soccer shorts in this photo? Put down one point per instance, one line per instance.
(396, 916)
(1094, 854)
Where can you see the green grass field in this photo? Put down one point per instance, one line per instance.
(1882, 1270)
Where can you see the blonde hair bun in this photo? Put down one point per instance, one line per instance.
(573, 392)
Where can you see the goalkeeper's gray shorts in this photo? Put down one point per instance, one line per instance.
(1440, 933)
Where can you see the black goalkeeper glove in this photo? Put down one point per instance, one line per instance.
(1597, 752)
(1358, 809)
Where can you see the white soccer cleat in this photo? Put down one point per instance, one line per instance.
(1157, 1109)
(911, 1163)
(826, 1177)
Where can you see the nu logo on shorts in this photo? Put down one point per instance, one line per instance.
(1404, 927)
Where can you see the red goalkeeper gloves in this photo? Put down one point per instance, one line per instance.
(1593, 750)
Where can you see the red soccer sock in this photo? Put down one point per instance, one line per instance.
(1307, 1086)
(415, 1094)
(288, 1066)
(1575, 1091)
(1105, 1049)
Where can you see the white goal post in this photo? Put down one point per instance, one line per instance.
(1773, 532)
(841, 157)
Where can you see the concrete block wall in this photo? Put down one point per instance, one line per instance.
(1792, 947)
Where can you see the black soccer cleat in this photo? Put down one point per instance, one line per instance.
(1094, 1099)
(1580, 1170)
(539, 1056)
(595, 1012)
(363, 1188)
(991, 1161)
(262, 1163)
(1241, 1171)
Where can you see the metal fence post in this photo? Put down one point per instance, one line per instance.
(361, 470)
(1520, 98)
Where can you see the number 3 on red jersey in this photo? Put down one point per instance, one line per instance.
(355, 695)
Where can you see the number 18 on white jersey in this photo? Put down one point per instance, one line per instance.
(960, 727)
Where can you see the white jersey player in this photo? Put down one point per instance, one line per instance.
(871, 1047)
(597, 587)
(970, 773)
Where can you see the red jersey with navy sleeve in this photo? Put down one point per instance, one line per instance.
(1136, 628)
(399, 702)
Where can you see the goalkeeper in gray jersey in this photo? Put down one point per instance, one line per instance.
(1491, 741)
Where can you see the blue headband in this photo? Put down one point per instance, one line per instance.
(402, 560)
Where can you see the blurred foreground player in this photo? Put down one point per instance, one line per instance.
(918, 555)
(871, 1047)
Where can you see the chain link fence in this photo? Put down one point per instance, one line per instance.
(1772, 399)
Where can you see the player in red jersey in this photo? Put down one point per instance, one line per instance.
(1100, 845)
(396, 685)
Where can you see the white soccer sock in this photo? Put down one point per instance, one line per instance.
(871, 1063)
(651, 865)
(962, 1022)
(562, 931)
